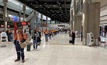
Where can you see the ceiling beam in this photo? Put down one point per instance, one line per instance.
(47, 2)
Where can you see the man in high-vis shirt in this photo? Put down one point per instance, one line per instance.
(46, 35)
(19, 38)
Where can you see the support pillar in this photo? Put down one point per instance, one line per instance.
(46, 21)
(24, 10)
(42, 23)
(71, 20)
(74, 14)
(5, 14)
(35, 19)
(19, 16)
(91, 20)
(24, 18)
(78, 23)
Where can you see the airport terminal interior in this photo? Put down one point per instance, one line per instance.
(53, 32)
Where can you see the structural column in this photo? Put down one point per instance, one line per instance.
(71, 20)
(78, 23)
(46, 21)
(41, 20)
(5, 14)
(35, 19)
(42, 23)
(24, 10)
(19, 16)
(74, 14)
(91, 20)
(24, 17)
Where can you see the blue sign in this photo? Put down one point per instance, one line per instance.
(15, 18)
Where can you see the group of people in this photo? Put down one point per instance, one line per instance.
(73, 34)
(22, 35)
(63, 30)
(36, 38)
(50, 33)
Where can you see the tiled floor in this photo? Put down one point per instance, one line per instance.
(57, 54)
(63, 39)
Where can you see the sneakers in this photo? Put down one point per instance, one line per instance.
(17, 60)
(23, 61)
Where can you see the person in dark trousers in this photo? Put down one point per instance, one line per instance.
(35, 39)
(7, 32)
(73, 37)
(81, 36)
(50, 33)
(19, 38)
(46, 35)
(10, 36)
(39, 37)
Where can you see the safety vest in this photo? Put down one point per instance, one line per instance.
(20, 36)
(46, 32)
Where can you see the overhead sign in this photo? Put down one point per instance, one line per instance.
(23, 23)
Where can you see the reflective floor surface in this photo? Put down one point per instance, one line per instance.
(57, 51)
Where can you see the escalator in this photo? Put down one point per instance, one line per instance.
(30, 16)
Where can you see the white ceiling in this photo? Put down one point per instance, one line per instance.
(16, 5)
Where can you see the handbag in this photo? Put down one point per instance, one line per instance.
(24, 44)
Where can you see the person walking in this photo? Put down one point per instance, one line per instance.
(19, 38)
(81, 36)
(39, 37)
(46, 35)
(73, 37)
(35, 39)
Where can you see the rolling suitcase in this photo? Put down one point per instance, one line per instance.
(70, 41)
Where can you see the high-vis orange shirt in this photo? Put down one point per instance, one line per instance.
(46, 32)
(19, 36)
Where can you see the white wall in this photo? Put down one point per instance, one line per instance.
(103, 15)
